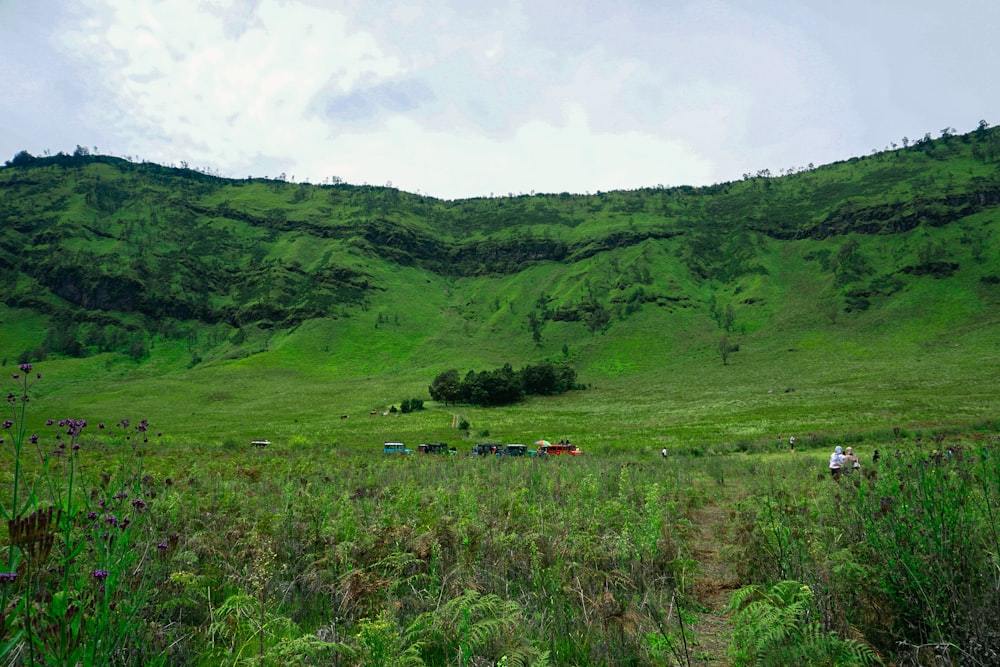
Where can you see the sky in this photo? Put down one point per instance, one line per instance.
(470, 98)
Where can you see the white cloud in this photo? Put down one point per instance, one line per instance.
(539, 156)
(208, 94)
(456, 98)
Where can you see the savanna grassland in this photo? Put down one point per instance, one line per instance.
(851, 304)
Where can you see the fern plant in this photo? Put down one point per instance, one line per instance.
(379, 644)
(779, 626)
(468, 625)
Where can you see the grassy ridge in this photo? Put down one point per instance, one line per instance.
(233, 308)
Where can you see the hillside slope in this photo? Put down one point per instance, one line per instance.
(878, 274)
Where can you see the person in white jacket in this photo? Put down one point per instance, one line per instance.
(837, 461)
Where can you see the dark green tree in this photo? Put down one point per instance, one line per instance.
(504, 386)
(536, 327)
(850, 264)
(565, 379)
(724, 349)
(728, 318)
(540, 379)
(446, 387)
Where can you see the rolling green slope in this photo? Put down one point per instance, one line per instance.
(231, 309)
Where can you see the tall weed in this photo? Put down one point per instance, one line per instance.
(81, 554)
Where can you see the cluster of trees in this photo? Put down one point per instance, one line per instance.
(408, 405)
(502, 386)
(71, 339)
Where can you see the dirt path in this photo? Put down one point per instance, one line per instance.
(712, 587)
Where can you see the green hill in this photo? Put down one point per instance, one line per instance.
(862, 295)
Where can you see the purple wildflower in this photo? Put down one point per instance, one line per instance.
(92, 515)
(33, 439)
(26, 367)
(50, 422)
(7, 423)
(6, 577)
(100, 575)
(73, 426)
(162, 546)
(139, 504)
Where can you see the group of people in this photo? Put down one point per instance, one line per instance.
(842, 460)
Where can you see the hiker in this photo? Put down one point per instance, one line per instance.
(850, 459)
(664, 453)
(791, 442)
(836, 461)
(876, 456)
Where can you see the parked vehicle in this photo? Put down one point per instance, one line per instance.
(486, 448)
(559, 449)
(395, 448)
(518, 450)
(434, 448)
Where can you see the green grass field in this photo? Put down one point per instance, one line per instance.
(864, 298)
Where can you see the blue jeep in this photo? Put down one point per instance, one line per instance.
(395, 448)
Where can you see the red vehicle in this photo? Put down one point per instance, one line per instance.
(559, 449)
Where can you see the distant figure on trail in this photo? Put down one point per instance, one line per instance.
(850, 459)
(836, 461)
(791, 442)
(876, 456)
(664, 453)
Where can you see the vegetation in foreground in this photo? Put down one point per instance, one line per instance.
(123, 551)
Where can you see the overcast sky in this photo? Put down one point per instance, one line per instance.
(464, 98)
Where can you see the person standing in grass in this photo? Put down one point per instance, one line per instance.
(836, 461)
(851, 459)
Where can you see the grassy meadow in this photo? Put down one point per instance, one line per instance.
(321, 550)
(165, 551)
(644, 389)
(858, 304)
